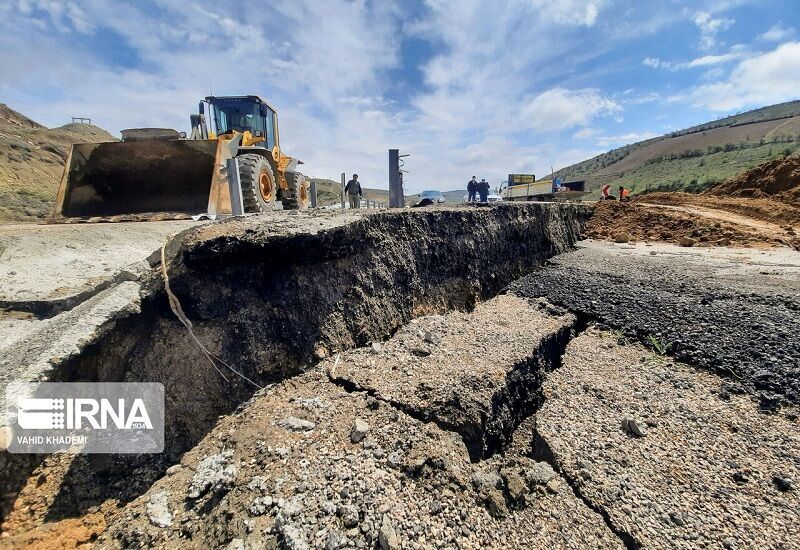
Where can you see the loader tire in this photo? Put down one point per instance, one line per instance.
(296, 197)
(258, 183)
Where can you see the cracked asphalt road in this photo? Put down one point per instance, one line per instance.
(733, 311)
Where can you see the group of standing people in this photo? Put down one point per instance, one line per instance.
(477, 188)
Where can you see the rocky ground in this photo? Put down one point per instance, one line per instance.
(315, 463)
(322, 282)
(667, 453)
(32, 161)
(728, 310)
(472, 373)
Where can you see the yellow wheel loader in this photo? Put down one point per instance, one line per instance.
(231, 164)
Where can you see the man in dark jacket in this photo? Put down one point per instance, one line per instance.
(472, 188)
(353, 190)
(483, 190)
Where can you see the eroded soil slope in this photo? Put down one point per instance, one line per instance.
(759, 208)
(32, 160)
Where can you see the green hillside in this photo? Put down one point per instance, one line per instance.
(698, 157)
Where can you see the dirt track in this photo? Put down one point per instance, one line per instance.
(695, 221)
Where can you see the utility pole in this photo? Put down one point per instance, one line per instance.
(313, 192)
(397, 197)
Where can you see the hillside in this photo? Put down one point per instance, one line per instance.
(698, 157)
(32, 160)
(328, 192)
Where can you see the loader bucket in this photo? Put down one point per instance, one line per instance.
(147, 176)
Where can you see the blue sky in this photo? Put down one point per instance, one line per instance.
(468, 87)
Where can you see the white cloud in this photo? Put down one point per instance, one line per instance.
(771, 77)
(710, 27)
(570, 12)
(777, 33)
(557, 109)
(654, 62)
(736, 53)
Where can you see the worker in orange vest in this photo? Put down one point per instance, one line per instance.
(623, 194)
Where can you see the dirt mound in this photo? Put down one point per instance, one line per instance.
(778, 178)
(10, 116)
(32, 161)
(637, 221)
(766, 208)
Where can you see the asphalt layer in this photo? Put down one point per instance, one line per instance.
(734, 311)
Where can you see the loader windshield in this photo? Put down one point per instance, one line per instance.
(242, 114)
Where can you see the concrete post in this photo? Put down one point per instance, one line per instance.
(343, 197)
(395, 183)
(313, 192)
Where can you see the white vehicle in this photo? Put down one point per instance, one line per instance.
(491, 198)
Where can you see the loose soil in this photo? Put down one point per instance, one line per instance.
(759, 208)
(32, 161)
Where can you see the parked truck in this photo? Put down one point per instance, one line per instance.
(524, 187)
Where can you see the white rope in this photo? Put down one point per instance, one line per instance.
(176, 308)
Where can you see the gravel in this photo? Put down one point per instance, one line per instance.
(733, 311)
(405, 482)
(475, 373)
(705, 471)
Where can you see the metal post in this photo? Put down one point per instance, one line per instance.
(343, 202)
(313, 192)
(235, 187)
(395, 185)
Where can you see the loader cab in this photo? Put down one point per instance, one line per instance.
(243, 113)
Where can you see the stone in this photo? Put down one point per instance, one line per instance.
(686, 241)
(431, 337)
(496, 504)
(622, 237)
(260, 505)
(294, 538)
(553, 486)
(415, 461)
(539, 473)
(359, 431)
(387, 536)
(633, 427)
(517, 488)
(158, 510)
(214, 473)
(349, 515)
(236, 544)
(174, 469)
(294, 424)
(487, 480)
(395, 459)
(335, 540)
(375, 348)
(782, 483)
